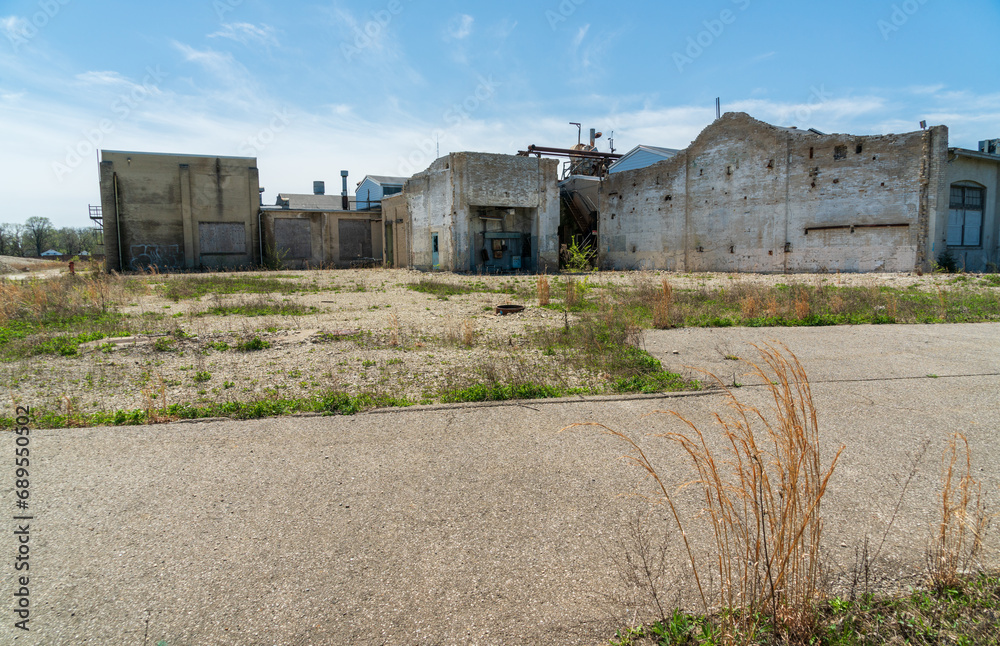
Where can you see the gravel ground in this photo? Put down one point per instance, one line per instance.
(411, 344)
(467, 524)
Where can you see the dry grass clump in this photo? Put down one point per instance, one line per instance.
(761, 499)
(958, 537)
(543, 290)
(572, 294)
(661, 306)
(461, 334)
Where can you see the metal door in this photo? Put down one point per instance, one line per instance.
(435, 255)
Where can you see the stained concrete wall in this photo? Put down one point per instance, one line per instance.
(396, 239)
(448, 198)
(297, 239)
(179, 211)
(971, 168)
(748, 196)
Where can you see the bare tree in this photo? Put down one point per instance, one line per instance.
(38, 233)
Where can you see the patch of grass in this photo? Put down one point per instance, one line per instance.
(500, 392)
(182, 286)
(753, 305)
(259, 308)
(253, 344)
(440, 288)
(165, 344)
(201, 376)
(327, 403)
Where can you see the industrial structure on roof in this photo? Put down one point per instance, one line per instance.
(743, 196)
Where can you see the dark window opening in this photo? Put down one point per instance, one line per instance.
(965, 217)
(811, 151)
(858, 149)
(840, 152)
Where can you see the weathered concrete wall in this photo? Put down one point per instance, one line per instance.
(297, 239)
(397, 244)
(179, 211)
(966, 169)
(748, 196)
(448, 198)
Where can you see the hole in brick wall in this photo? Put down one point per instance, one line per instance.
(883, 183)
(857, 151)
(732, 249)
(668, 198)
(836, 181)
(770, 163)
(840, 152)
(612, 216)
(744, 197)
(729, 170)
(701, 171)
(813, 184)
(811, 151)
(770, 252)
(875, 158)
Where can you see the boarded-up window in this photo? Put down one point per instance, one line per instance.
(355, 239)
(965, 217)
(216, 238)
(293, 238)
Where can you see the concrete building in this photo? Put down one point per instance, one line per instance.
(641, 157)
(477, 212)
(748, 196)
(373, 188)
(972, 229)
(179, 211)
(315, 231)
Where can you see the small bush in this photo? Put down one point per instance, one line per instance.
(253, 344)
(202, 376)
(164, 344)
(543, 290)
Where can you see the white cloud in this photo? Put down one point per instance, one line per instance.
(248, 34)
(460, 27)
(13, 26)
(102, 78)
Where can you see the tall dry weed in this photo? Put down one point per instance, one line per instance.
(572, 294)
(761, 499)
(543, 290)
(661, 307)
(958, 537)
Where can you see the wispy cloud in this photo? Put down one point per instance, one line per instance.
(247, 34)
(102, 78)
(460, 27)
(13, 26)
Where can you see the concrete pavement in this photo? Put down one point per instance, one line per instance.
(457, 524)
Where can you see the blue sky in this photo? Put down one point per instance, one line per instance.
(376, 87)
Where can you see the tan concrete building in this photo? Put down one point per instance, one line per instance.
(749, 196)
(179, 211)
(478, 212)
(303, 231)
(971, 231)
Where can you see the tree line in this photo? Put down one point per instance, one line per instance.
(38, 234)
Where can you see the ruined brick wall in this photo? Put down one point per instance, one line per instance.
(747, 196)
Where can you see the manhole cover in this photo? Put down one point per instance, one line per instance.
(503, 310)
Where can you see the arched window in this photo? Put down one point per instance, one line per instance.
(965, 215)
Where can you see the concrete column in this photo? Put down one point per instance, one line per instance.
(186, 218)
